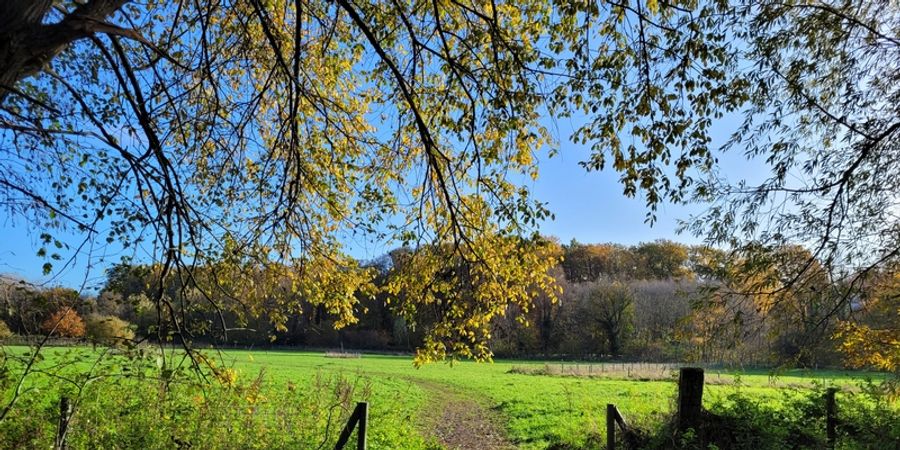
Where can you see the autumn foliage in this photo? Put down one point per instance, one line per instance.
(108, 329)
(5, 332)
(64, 323)
(873, 341)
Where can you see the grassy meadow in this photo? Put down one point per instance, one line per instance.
(511, 404)
(537, 409)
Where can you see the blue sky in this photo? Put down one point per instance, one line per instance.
(589, 207)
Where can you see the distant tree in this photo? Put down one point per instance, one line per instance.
(64, 323)
(142, 313)
(536, 330)
(726, 330)
(591, 262)
(129, 279)
(659, 307)
(708, 264)
(580, 263)
(661, 260)
(546, 311)
(608, 311)
(796, 294)
(111, 303)
(107, 329)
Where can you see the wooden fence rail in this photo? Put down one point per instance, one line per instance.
(358, 420)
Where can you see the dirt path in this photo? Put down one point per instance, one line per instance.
(459, 422)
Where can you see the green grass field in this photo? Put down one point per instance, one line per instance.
(524, 404)
(536, 410)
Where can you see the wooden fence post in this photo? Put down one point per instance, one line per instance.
(65, 412)
(613, 418)
(610, 427)
(358, 419)
(690, 398)
(830, 418)
(363, 421)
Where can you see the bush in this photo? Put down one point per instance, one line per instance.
(866, 420)
(107, 329)
(4, 330)
(64, 323)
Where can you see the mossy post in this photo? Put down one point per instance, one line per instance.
(830, 418)
(690, 398)
(65, 412)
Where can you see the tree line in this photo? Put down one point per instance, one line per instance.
(654, 301)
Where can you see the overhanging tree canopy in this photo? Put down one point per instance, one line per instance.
(268, 134)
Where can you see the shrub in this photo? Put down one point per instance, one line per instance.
(65, 323)
(107, 329)
(4, 330)
(741, 421)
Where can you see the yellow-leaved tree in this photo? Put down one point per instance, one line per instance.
(873, 339)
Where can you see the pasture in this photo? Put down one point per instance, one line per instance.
(534, 403)
(504, 404)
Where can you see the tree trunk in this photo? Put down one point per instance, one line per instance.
(612, 338)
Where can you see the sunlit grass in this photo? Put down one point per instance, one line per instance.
(539, 402)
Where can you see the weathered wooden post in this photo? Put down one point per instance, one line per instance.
(690, 398)
(613, 418)
(363, 408)
(65, 412)
(610, 427)
(830, 418)
(358, 419)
